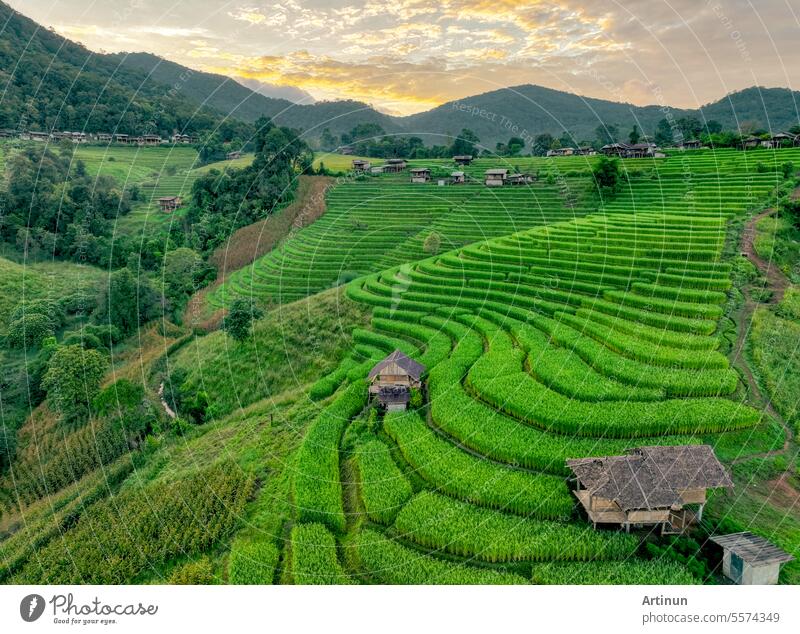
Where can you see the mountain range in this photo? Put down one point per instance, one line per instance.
(48, 81)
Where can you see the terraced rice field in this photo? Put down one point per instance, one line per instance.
(377, 222)
(577, 337)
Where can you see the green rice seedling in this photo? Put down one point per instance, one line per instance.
(441, 523)
(313, 557)
(629, 572)
(384, 488)
(386, 561)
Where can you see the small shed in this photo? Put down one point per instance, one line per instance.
(231, 156)
(463, 159)
(690, 144)
(749, 559)
(649, 486)
(495, 177)
(360, 165)
(420, 175)
(519, 179)
(781, 139)
(394, 165)
(458, 178)
(750, 142)
(392, 379)
(344, 149)
(169, 203)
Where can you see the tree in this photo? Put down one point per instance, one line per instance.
(541, 144)
(464, 143)
(73, 380)
(127, 302)
(179, 274)
(690, 127)
(328, 141)
(8, 446)
(432, 243)
(515, 146)
(607, 176)
(606, 133)
(634, 135)
(795, 129)
(29, 330)
(713, 127)
(663, 135)
(239, 319)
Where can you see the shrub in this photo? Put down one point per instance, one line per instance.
(194, 573)
(241, 315)
(29, 331)
(73, 379)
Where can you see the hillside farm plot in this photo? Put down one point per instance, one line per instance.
(579, 338)
(373, 223)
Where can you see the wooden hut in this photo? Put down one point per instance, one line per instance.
(231, 156)
(360, 165)
(463, 159)
(104, 137)
(169, 203)
(781, 139)
(495, 177)
(458, 178)
(750, 142)
(648, 486)
(150, 139)
(394, 165)
(749, 559)
(690, 144)
(392, 379)
(561, 151)
(519, 179)
(420, 175)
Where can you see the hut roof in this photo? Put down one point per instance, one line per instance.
(457, 174)
(463, 157)
(651, 477)
(420, 170)
(496, 171)
(412, 368)
(752, 548)
(168, 198)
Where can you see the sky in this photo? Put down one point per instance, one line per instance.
(406, 56)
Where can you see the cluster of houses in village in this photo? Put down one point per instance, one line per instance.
(498, 177)
(100, 137)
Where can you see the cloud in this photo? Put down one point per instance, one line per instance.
(253, 15)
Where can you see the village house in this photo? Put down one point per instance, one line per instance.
(150, 139)
(750, 142)
(463, 159)
(169, 203)
(779, 140)
(121, 138)
(38, 136)
(7, 133)
(104, 137)
(586, 150)
(561, 151)
(649, 486)
(360, 165)
(749, 559)
(393, 378)
(519, 179)
(457, 178)
(181, 139)
(495, 177)
(344, 149)
(230, 156)
(630, 150)
(690, 144)
(378, 169)
(395, 165)
(420, 175)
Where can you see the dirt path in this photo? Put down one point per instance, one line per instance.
(776, 283)
(253, 241)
